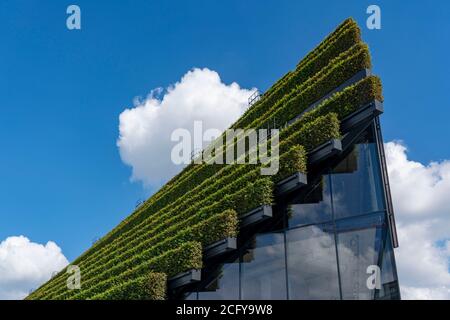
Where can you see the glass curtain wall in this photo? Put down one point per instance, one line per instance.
(335, 243)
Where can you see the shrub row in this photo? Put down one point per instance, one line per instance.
(323, 45)
(230, 196)
(347, 23)
(206, 232)
(322, 129)
(150, 287)
(344, 67)
(342, 43)
(347, 101)
(339, 70)
(187, 256)
(291, 162)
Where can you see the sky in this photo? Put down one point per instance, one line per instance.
(72, 165)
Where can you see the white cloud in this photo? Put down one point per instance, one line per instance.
(421, 195)
(25, 265)
(145, 130)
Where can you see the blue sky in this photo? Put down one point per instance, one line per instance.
(61, 91)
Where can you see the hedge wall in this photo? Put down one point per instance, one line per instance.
(202, 204)
(149, 287)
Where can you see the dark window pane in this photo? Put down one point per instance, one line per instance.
(225, 286)
(359, 243)
(312, 265)
(313, 207)
(356, 183)
(263, 268)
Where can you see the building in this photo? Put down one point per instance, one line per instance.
(321, 228)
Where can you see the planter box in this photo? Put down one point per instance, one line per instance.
(291, 183)
(325, 151)
(184, 278)
(256, 216)
(365, 113)
(219, 248)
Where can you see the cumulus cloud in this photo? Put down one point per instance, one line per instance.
(421, 195)
(25, 265)
(145, 130)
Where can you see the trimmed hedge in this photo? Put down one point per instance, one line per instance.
(187, 256)
(291, 162)
(206, 232)
(324, 44)
(347, 23)
(217, 202)
(295, 158)
(150, 287)
(317, 132)
(347, 101)
(341, 69)
(309, 68)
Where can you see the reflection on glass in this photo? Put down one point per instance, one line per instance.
(191, 296)
(359, 243)
(356, 183)
(312, 264)
(389, 283)
(336, 230)
(263, 268)
(225, 286)
(314, 207)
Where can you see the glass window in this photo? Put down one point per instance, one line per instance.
(389, 283)
(312, 207)
(191, 296)
(359, 243)
(263, 268)
(356, 183)
(224, 286)
(312, 264)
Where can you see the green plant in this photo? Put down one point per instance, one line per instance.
(202, 204)
(150, 287)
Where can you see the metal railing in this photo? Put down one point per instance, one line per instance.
(255, 97)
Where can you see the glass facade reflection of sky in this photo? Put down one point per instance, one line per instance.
(312, 264)
(334, 232)
(357, 184)
(265, 257)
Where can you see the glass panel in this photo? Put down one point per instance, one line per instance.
(313, 207)
(225, 286)
(263, 268)
(191, 296)
(312, 264)
(389, 284)
(359, 243)
(356, 183)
